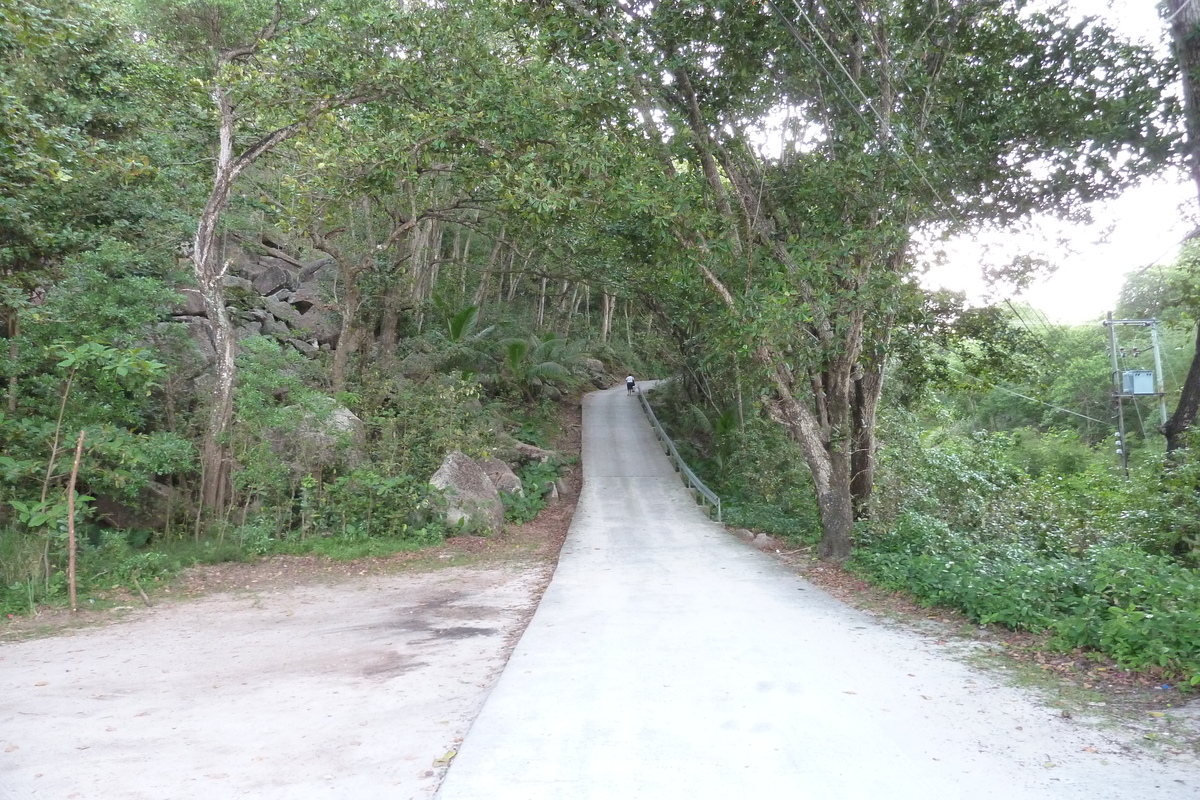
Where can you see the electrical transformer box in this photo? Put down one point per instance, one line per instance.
(1137, 381)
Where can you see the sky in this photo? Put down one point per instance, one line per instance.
(1135, 231)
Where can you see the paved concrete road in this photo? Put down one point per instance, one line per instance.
(670, 660)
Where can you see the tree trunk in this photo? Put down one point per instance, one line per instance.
(348, 333)
(14, 352)
(389, 324)
(482, 290)
(1189, 402)
(1185, 33)
(541, 315)
(215, 466)
(867, 391)
(607, 306)
(829, 463)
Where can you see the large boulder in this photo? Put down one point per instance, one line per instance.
(321, 438)
(307, 349)
(321, 324)
(200, 331)
(307, 295)
(502, 476)
(275, 327)
(471, 497)
(417, 366)
(191, 304)
(528, 452)
(248, 329)
(274, 277)
(318, 269)
(234, 283)
(281, 311)
(596, 373)
(155, 505)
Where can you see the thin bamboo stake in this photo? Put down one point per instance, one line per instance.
(628, 326)
(142, 592)
(71, 521)
(541, 315)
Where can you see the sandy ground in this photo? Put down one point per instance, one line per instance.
(354, 689)
(292, 677)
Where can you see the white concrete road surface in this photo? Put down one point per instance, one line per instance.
(670, 660)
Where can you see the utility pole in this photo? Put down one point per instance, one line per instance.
(1122, 451)
(1134, 383)
(1158, 377)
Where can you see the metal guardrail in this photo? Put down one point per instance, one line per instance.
(689, 477)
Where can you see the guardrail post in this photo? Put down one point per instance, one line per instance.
(695, 486)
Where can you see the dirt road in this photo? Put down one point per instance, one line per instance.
(346, 690)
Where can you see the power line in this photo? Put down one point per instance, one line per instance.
(999, 388)
(857, 87)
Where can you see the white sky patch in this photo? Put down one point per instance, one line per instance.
(785, 129)
(1142, 227)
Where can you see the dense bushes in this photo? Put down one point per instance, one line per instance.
(976, 523)
(309, 467)
(1140, 608)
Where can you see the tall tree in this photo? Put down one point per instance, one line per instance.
(271, 71)
(66, 113)
(896, 116)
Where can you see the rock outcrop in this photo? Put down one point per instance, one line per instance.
(597, 375)
(471, 498)
(152, 510)
(272, 293)
(502, 476)
(323, 438)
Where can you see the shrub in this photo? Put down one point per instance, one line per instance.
(536, 479)
(366, 504)
(1140, 608)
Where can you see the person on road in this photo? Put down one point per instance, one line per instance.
(629, 385)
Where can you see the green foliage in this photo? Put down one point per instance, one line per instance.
(528, 364)
(756, 470)
(281, 425)
(1038, 532)
(106, 561)
(314, 477)
(412, 427)
(1142, 609)
(537, 478)
(365, 505)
